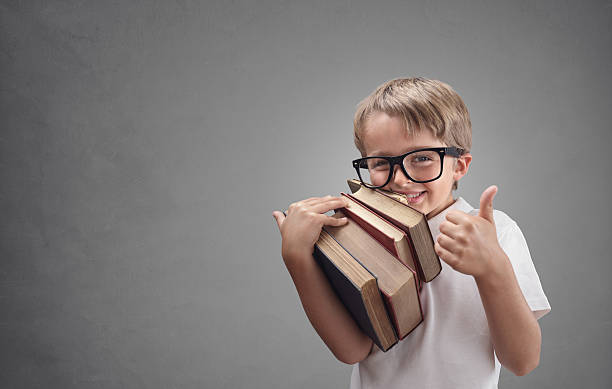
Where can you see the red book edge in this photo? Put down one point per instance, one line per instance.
(391, 310)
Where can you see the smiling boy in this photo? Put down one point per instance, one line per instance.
(481, 311)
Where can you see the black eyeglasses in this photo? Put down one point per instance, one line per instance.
(422, 165)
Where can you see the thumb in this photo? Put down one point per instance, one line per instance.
(280, 218)
(486, 203)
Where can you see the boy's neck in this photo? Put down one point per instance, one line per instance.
(450, 201)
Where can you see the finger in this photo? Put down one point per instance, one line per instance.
(304, 205)
(314, 200)
(308, 201)
(457, 217)
(450, 229)
(445, 255)
(328, 205)
(334, 221)
(279, 217)
(486, 203)
(447, 243)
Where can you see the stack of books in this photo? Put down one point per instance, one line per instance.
(377, 262)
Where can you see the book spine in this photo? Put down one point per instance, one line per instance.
(401, 226)
(426, 250)
(386, 241)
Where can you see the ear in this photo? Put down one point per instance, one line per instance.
(462, 165)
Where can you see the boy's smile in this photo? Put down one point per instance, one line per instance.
(386, 135)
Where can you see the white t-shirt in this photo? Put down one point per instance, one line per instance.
(452, 347)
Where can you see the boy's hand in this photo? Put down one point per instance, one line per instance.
(301, 228)
(469, 243)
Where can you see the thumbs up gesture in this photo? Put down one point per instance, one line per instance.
(469, 243)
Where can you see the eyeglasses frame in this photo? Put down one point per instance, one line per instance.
(399, 159)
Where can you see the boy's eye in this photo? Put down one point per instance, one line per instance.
(378, 164)
(423, 158)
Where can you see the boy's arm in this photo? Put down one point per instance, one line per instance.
(514, 329)
(326, 313)
(300, 229)
(469, 245)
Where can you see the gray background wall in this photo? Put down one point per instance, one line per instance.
(145, 144)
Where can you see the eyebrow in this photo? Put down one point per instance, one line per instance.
(383, 154)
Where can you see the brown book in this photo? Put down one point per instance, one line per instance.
(390, 206)
(357, 288)
(396, 281)
(392, 238)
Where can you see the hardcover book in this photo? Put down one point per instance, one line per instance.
(393, 207)
(392, 238)
(396, 281)
(357, 288)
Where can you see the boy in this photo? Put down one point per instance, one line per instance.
(482, 309)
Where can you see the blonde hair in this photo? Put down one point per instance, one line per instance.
(422, 104)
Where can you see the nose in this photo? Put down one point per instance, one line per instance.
(398, 178)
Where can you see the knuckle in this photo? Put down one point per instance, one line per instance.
(438, 249)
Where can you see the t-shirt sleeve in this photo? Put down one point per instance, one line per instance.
(514, 245)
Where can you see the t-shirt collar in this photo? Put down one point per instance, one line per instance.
(459, 204)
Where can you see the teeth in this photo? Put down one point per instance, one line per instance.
(413, 196)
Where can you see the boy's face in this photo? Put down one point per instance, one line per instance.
(385, 135)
